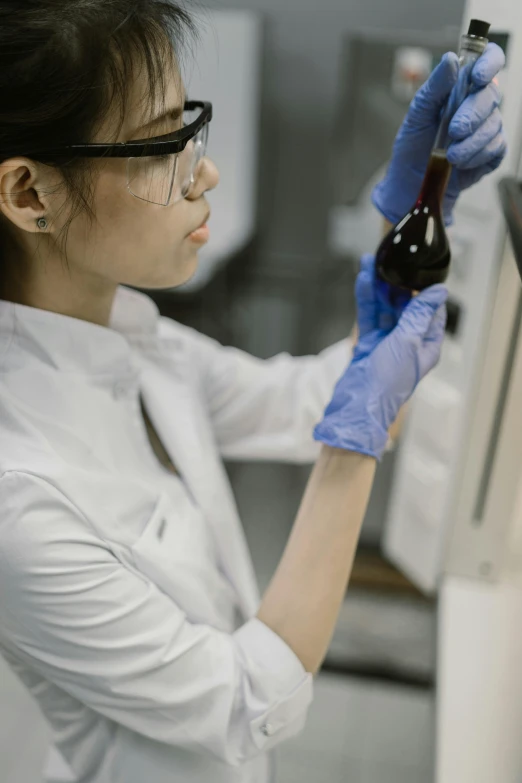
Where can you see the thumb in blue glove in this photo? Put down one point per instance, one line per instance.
(378, 311)
(376, 385)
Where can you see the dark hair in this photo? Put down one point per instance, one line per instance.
(65, 63)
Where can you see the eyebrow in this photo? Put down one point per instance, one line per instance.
(173, 114)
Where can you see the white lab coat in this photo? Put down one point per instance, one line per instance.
(128, 603)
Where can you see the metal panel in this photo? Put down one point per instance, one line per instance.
(479, 537)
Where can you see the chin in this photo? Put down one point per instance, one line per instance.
(178, 277)
(190, 269)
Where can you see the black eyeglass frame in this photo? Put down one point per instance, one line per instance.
(168, 144)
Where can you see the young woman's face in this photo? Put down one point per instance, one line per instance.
(135, 242)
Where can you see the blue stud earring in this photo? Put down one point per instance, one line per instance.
(41, 223)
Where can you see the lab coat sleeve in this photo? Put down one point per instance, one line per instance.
(264, 409)
(107, 636)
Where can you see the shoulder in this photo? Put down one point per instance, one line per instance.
(201, 355)
(173, 332)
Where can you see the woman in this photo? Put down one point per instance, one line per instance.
(129, 605)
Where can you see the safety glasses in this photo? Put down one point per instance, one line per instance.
(160, 170)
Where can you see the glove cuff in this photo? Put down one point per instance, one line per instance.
(367, 438)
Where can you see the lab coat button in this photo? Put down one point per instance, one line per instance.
(268, 730)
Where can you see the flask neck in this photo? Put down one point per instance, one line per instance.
(436, 180)
(471, 47)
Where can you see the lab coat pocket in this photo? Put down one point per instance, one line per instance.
(174, 552)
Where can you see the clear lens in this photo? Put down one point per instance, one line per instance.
(166, 179)
(151, 178)
(189, 159)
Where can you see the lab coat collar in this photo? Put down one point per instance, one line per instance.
(75, 346)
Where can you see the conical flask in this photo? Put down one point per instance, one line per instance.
(416, 253)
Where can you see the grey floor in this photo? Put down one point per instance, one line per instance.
(357, 732)
(362, 733)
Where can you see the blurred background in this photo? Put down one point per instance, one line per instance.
(308, 98)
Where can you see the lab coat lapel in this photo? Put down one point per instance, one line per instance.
(177, 411)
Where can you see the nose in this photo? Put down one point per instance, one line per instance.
(206, 178)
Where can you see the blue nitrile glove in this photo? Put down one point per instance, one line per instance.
(395, 351)
(377, 311)
(479, 145)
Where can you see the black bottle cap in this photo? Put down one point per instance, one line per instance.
(478, 28)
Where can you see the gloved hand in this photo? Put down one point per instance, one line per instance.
(395, 351)
(478, 148)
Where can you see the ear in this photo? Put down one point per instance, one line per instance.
(27, 193)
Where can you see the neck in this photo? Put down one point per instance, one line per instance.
(436, 179)
(50, 284)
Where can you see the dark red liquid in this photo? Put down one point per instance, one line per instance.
(416, 252)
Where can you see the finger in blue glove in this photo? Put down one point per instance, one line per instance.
(488, 66)
(479, 143)
(378, 310)
(428, 103)
(375, 310)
